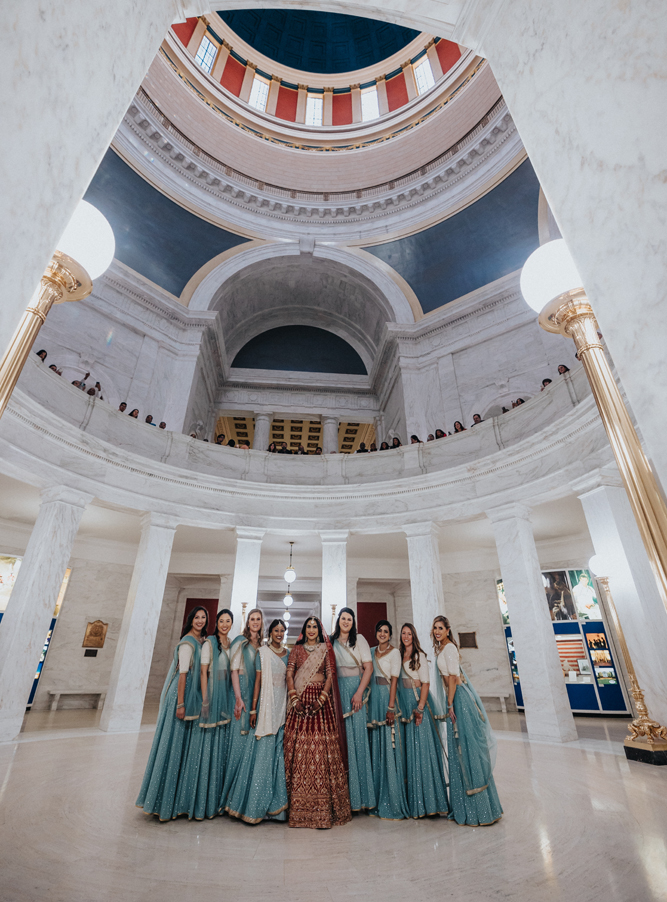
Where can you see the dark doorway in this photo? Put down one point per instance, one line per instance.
(368, 614)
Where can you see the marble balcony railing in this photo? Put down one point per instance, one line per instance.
(100, 420)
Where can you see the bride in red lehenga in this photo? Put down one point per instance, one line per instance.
(315, 744)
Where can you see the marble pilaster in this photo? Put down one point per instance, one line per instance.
(246, 573)
(62, 82)
(591, 123)
(124, 703)
(547, 706)
(425, 579)
(640, 610)
(262, 435)
(330, 435)
(334, 573)
(30, 609)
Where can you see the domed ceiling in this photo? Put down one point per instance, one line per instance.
(327, 43)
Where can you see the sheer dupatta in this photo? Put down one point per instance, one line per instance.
(310, 669)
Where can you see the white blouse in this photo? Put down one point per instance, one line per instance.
(389, 664)
(361, 650)
(422, 675)
(185, 656)
(448, 660)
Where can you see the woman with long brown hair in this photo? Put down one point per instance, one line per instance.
(471, 745)
(242, 656)
(424, 753)
(315, 747)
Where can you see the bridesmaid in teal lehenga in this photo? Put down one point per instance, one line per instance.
(471, 744)
(260, 791)
(386, 730)
(424, 754)
(243, 654)
(168, 768)
(354, 667)
(216, 716)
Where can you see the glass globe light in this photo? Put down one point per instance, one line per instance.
(89, 240)
(290, 575)
(549, 272)
(287, 616)
(598, 565)
(288, 600)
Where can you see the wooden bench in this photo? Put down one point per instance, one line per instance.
(56, 695)
(501, 699)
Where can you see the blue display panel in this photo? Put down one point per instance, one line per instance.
(589, 670)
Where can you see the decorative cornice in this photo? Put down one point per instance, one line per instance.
(432, 191)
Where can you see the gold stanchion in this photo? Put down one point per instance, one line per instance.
(571, 314)
(333, 617)
(648, 739)
(64, 280)
(244, 608)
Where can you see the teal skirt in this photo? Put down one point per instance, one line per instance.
(260, 792)
(211, 771)
(241, 736)
(424, 760)
(387, 759)
(169, 767)
(360, 774)
(472, 789)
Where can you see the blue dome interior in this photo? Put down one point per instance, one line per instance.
(317, 41)
(302, 348)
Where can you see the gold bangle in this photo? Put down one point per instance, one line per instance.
(254, 711)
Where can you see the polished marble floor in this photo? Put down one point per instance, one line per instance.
(581, 823)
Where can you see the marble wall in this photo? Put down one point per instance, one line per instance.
(97, 590)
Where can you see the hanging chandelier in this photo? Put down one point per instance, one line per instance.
(290, 573)
(288, 600)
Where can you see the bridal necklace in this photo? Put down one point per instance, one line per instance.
(381, 654)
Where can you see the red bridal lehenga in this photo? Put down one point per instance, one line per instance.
(315, 748)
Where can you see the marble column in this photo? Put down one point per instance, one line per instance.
(68, 69)
(425, 579)
(351, 591)
(640, 610)
(225, 593)
(547, 706)
(124, 703)
(262, 435)
(33, 600)
(590, 114)
(334, 573)
(246, 573)
(329, 435)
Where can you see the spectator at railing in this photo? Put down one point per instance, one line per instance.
(384, 446)
(373, 447)
(440, 433)
(430, 437)
(362, 449)
(318, 450)
(163, 425)
(396, 442)
(545, 382)
(415, 440)
(518, 402)
(135, 414)
(231, 443)
(192, 434)
(244, 445)
(123, 406)
(42, 355)
(149, 420)
(284, 449)
(301, 450)
(562, 369)
(459, 427)
(56, 370)
(220, 440)
(273, 448)
(476, 420)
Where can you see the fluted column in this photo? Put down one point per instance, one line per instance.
(33, 600)
(334, 573)
(246, 572)
(124, 703)
(329, 435)
(425, 578)
(618, 542)
(547, 706)
(262, 435)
